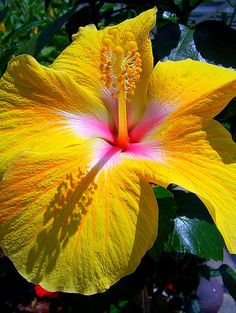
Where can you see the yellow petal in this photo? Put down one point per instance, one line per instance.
(33, 103)
(71, 231)
(82, 58)
(199, 156)
(191, 87)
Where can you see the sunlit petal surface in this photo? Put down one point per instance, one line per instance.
(191, 87)
(79, 231)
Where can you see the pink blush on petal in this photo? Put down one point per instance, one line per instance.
(88, 127)
(152, 118)
(144, 150)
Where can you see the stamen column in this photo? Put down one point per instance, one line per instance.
(121, 69)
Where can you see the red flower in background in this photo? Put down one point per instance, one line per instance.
(41, 292)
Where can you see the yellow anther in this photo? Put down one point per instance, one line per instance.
(119, 51)
(132, 45)
(103, 50)
(129, 35)
(121, 78)
(113, 31)
(106, 41)
(131, 73)
(102, 68)
(131, 90)
(138, 70)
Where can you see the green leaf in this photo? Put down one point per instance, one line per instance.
(81, 17)
(166, 39)
(46, 4)
(195, 3)
(48, 32)
(179, 3)
(167, 209)
(108, 6)
(47, 51)
(3, 13)
(194, 231)
(119, 307)
(28, 46)
(5, 55)
(216, 42)
(22, 30)
(229, 279)
(186, 47)
(228, 112)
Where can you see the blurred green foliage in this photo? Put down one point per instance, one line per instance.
(168, 276)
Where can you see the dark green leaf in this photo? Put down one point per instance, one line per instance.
(28, 46)
(216, 42)
(5, 55)
(186, 47)
(48, 32)
(46, 4)
(119, 307)
(130, 285)
(80, 18)
(228, 112)
(167, 208)
(233, 129)
(229, 279)
(47, 50)
(194, 232)
(195, 3)
(3, 13)
(179, 3)
(22, 30)
(108, 6)
(166, 39)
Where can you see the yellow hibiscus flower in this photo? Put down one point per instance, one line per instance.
(81, 141)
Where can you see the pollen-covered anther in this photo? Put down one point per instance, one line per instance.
(118, 51)
(106, 41)
(121, 78)
(128, 35)
(132, 45)
(120, 61)
(114, 31)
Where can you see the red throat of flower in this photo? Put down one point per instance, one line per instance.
(121, 69)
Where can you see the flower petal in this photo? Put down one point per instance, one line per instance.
(191, 87)
(72, 230)
(199, 156)
(34, 105)
(82, 58)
